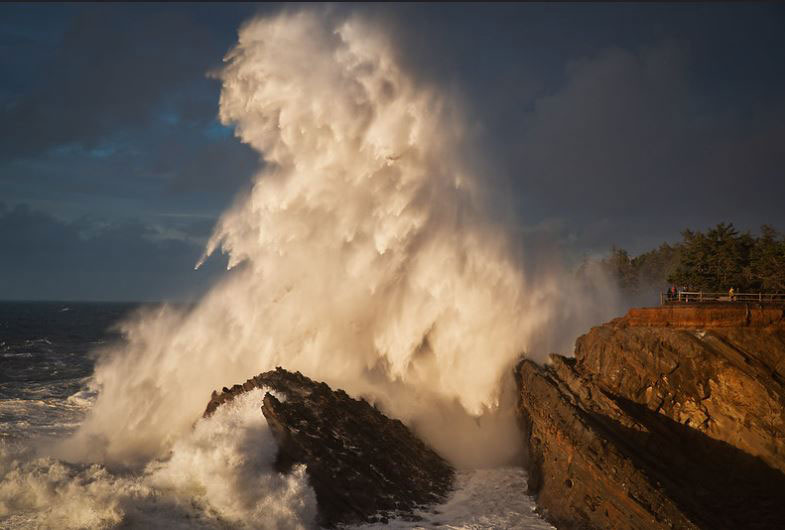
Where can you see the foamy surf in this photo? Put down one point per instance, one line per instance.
(219, 476)
(483, 498)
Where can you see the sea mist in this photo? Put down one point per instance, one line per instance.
(363, 256)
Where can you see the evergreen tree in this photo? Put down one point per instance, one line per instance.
(767, 261)
(620, 266)
(713, 261)
(654, 267)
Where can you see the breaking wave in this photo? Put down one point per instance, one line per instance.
(219, 475)
(364, 255)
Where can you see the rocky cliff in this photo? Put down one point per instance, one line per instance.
(362, 465)
(668, 417)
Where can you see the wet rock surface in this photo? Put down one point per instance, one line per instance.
(363, 466)
(653, 426)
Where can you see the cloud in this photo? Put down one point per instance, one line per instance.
(45, 258)
(609, 125)
(628, 139)
(622, 124)
(113, 105)
(114, 70)
(222, 165)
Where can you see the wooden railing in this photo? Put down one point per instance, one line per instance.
(690, 297)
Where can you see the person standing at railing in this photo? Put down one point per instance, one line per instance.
(731, 295)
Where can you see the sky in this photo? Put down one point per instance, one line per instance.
(596, 125)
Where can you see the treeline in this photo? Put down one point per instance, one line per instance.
(713, 261)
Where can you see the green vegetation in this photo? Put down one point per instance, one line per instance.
(713, 261)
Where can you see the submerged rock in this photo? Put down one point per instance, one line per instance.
(662, 426)
(363, 466)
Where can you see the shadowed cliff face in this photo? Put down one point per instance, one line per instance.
(363, 466)
(655, 426)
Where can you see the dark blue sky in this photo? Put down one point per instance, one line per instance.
(600, 124)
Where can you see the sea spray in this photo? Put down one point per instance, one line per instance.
(364, 257)
(218, 475)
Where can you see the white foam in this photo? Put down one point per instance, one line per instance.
(219, 475)
(483, 498)
(84, 398)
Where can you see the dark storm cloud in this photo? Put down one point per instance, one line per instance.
(115, 69)
(590, 124)
(45, 258)
(109, 122)
(627, 139)
(220, 164)
(127, 85)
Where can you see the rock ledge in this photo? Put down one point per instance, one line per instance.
(363, 466)
(662, 420)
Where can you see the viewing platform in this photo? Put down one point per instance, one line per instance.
(700, 297)
(706, 315)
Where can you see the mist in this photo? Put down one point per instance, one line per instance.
(365, 255)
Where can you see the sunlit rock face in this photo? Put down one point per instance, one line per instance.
(718, 370)
(705, 316)
(363, 466)
(659, 427)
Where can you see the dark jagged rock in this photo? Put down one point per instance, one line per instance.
(653, 426)
(363, 466)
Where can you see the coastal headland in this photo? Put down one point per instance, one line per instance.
(669, 417)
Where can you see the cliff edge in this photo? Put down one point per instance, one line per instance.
(668, 417)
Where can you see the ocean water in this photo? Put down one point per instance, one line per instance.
(47, 355)
(219, 476)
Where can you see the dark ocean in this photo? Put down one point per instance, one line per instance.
(47, 354)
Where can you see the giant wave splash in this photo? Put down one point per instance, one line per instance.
(364, 255)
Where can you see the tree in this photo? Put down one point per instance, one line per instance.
(654, 267)
(620, 266)
(767, 261)
(715, 261)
